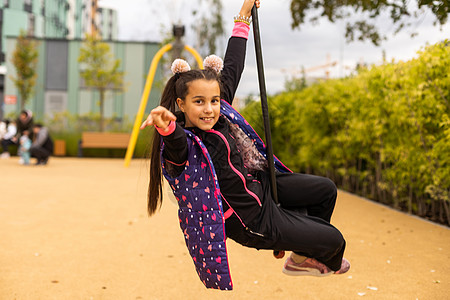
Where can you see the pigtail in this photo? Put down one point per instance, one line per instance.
(155, 185)
(155, 192)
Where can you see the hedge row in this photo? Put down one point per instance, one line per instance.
(383, 133)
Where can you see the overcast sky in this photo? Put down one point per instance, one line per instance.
(284, 50)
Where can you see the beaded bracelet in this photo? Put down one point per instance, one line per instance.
(239, 18)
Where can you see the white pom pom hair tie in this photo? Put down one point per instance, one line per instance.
(180, 66)
(214, 63)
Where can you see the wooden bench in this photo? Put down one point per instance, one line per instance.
(109, 140)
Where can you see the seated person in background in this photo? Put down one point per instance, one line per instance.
(2, 129)
(42, 146)
(8, 138)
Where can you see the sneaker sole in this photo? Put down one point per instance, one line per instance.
(306, 272)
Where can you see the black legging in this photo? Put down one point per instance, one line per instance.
(286, 227)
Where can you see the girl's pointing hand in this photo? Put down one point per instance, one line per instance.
(160, 117)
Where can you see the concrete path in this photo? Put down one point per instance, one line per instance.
(78, 229)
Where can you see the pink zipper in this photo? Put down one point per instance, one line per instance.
(233, 168)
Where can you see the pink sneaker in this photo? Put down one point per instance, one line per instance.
(345, 266)
(310, 267)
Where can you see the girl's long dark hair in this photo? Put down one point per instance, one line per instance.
(176, 87)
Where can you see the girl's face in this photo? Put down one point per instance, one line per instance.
(201, 107)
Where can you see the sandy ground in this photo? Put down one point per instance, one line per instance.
(78, 229)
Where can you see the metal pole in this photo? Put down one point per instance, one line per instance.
(264, 106)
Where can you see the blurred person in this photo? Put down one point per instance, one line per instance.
(24, 122)
(8, 138)
(42, 146)
(2, 129)
(24, 148)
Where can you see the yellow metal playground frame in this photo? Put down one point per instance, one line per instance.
(146, 93)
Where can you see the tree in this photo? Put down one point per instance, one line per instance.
(208, 26)
(400, 12)
(383, 133)
(25, 58)
(99, 69)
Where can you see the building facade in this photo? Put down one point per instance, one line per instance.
(70, 19)
(59, 87)
(59, 26)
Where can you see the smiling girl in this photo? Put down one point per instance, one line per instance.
(214, 162)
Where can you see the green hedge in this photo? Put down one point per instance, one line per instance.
(383, 134)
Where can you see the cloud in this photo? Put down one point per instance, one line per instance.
(282, 47)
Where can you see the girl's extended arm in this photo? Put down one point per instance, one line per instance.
(234, 60)
(174, 137)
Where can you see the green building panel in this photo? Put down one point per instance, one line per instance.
(73, 90)
(119, 52)
(13, 22)
(134, 79)
(85, 102)
(78, 18)
(38, 98)
(16, 4)
(37, 7)
(39, 27)
(109, 105)
(95, 101)
(155, 95)
(10, 89)
(114, 24)
(103, 27)
(55, 21)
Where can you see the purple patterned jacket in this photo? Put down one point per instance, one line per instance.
(200, 210)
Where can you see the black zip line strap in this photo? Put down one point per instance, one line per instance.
(264, 105)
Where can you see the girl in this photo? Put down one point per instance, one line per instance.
(215, 165)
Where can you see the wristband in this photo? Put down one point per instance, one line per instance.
(168, 130)
(240, 29)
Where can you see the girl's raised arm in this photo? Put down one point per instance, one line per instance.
(234, 60)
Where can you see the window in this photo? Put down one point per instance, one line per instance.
(28, 6)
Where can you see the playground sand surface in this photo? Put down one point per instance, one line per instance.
(78, 229)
